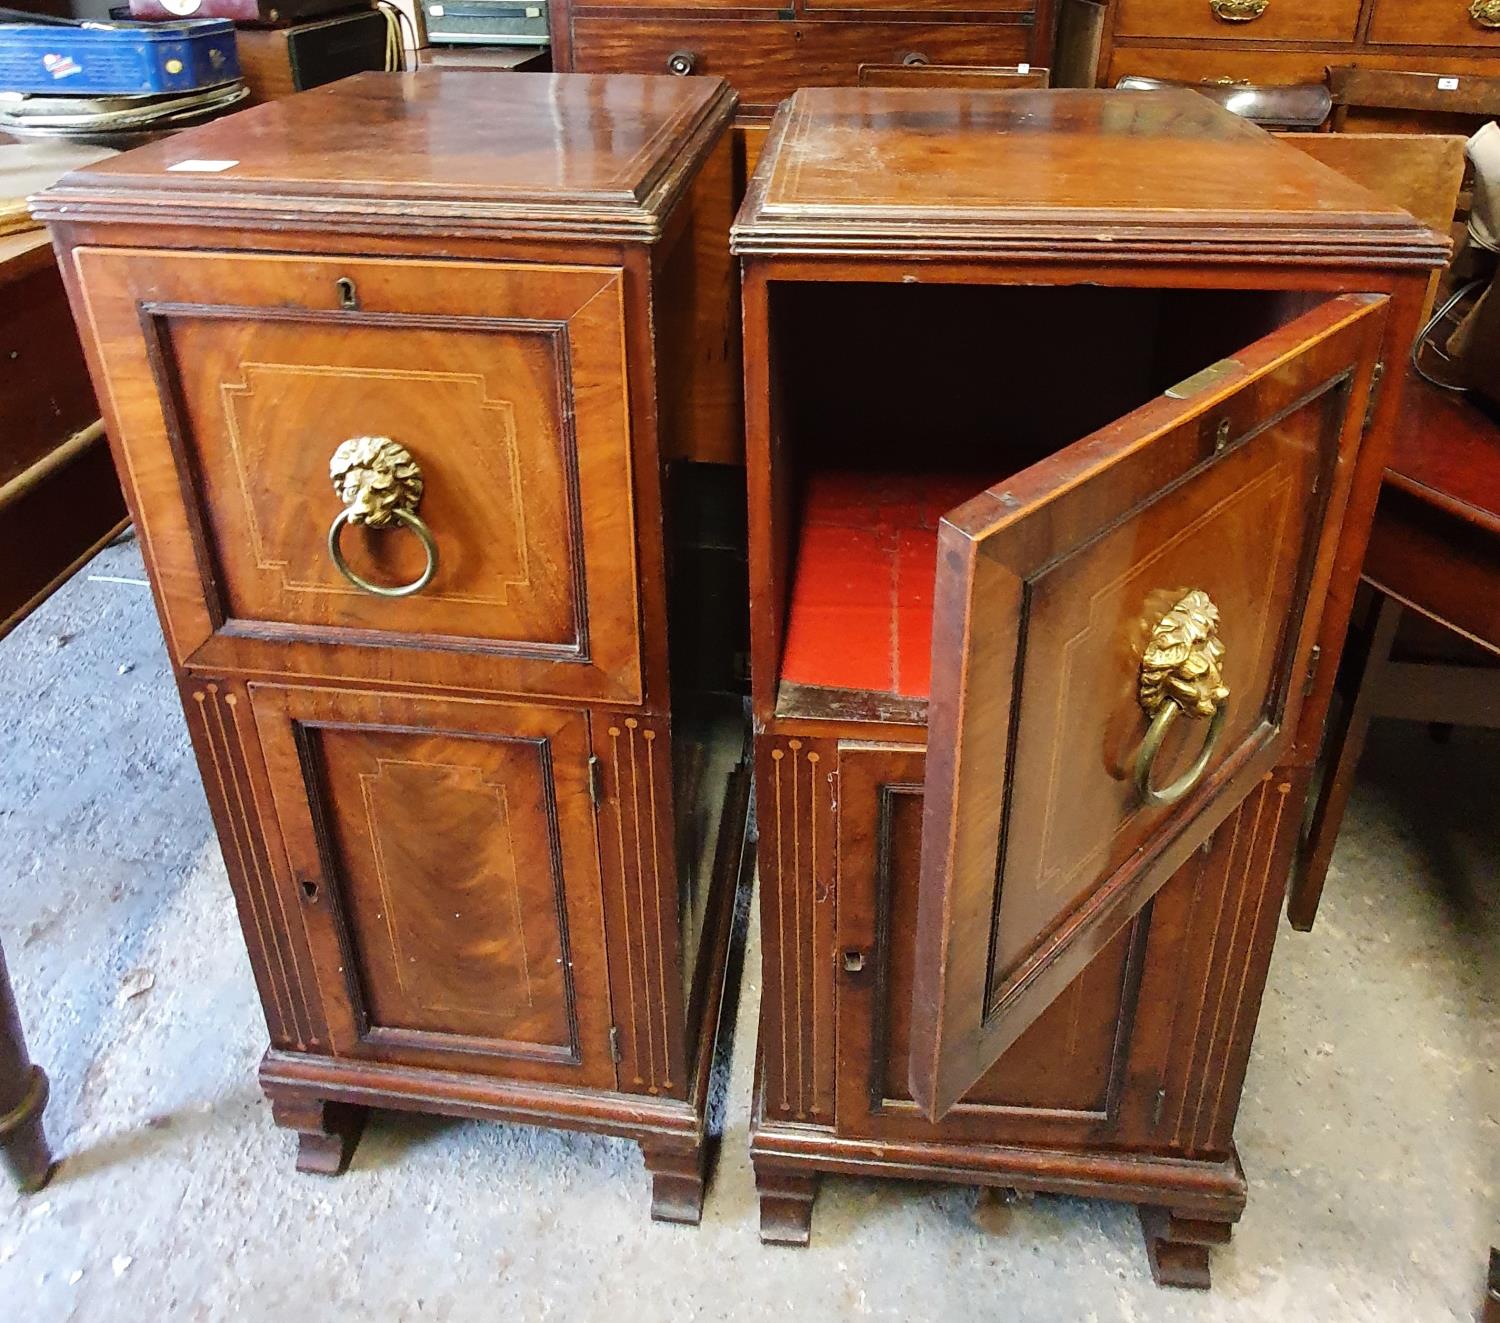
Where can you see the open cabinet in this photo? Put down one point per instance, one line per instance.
(1063, 435)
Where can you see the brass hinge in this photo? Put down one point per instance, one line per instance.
(1376, 377)
(614, 1043)
(596, 781)
(1206, 379)
(1156, 1111)
(1313, 658)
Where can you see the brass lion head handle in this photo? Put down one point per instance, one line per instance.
(1485, 12)
(1182, 674)
(380, 484)
(1238, 11)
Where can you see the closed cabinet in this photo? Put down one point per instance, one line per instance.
(311, 435)
(388, 369)
(444, 863)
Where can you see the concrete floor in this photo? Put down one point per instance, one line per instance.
(1370, 1128)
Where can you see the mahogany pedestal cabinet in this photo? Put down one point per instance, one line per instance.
(485, 844)
(1062, 453)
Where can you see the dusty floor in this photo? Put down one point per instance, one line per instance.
(1370, 1129)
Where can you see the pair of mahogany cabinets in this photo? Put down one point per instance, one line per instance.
(1062, 439)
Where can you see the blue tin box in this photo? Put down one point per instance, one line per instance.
(117, 59)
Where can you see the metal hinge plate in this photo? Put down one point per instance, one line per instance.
(1376, 377)
(1313, 658)
(596, 781)
(614, 1043)
(1205, 379)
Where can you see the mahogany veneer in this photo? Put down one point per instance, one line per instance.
(1022, 371)
(484, 841)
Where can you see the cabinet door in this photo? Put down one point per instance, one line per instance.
(1060, 1083)
(1156, 583)
(231, 382)
(444, 858)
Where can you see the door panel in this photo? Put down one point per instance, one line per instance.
(506, 386)
(1059, 1083)
(1038, 848)
(445, 863)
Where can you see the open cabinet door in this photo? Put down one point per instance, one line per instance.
(1176, 559)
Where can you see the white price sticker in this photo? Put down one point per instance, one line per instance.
(1447, 84)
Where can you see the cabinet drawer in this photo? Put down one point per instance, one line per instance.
(1435, 23)
(443, 862)
(233, 382)
(766, 61)
(1240, 20)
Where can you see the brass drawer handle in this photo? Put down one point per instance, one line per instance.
(1238, 11)
(1486, 13)
(380, 484)
(1182, 673)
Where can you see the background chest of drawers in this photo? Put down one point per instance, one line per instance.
(1017, 913)
(768, 50)
(1278, 41)
(484, 841)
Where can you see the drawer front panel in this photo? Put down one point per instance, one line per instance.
(1240, 20)
(505, 386)
(1435, 23)
(767, 61)
(443, 858)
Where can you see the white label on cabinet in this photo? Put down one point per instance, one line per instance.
(1447, 84)
(198, 167)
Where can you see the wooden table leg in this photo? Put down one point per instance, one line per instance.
(23, 1095)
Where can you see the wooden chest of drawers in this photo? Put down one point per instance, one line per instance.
(1049, 433)
(1277, 41)
(485, 850)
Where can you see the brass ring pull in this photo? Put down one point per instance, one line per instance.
(413, 522)
(1181, 674)
(1486, 13)
(380, 484)
(1145, 760)
(1242, 11)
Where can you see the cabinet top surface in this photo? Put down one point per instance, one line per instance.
(1057, 173)
(385, 149)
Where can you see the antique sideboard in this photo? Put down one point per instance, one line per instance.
(1062, 442)
(394, 372)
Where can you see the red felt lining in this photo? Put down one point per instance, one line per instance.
(860, 614)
